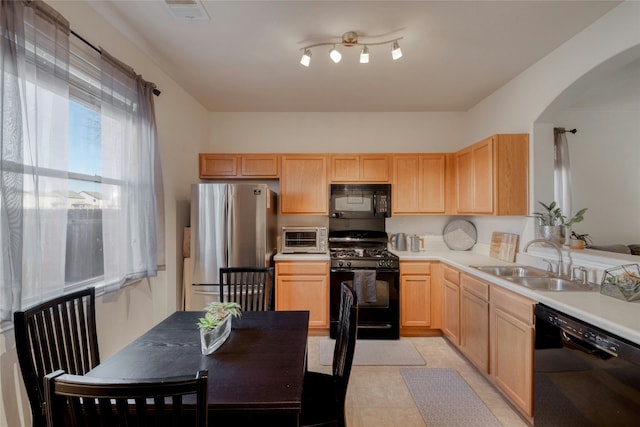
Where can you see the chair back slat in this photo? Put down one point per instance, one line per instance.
(56, 334)
(80, 401)
(345, 339)
(252, 288)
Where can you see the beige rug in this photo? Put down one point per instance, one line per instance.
(444, 399)
(376, 353)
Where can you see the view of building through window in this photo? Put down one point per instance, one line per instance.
(84, 253)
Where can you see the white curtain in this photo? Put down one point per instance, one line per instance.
(561, 171)
(35, 93)
(131, 176)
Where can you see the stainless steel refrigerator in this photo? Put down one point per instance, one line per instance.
(232, 225)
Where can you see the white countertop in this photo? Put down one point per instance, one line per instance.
(619, 317)
(613, 315)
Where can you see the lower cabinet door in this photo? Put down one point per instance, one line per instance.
(474, 329)
(305, 293)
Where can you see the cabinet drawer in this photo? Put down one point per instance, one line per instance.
(304, 268)
(475, 286)
(415, 268)
(514, 304)
(451, 275)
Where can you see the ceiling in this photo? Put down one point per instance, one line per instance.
(246, 56)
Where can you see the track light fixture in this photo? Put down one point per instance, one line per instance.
(350, 39)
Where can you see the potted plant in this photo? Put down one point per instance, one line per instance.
(553, 223)
(215, 326)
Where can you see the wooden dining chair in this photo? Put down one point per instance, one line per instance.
(56, 334)
(323, 395)
(252, 288)
(81, 401)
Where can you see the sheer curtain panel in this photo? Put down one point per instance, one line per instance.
(35, 94)
(561, 171)
(131, 175)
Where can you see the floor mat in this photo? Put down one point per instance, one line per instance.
(444, 399)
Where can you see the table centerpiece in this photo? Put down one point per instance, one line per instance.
(215, 326)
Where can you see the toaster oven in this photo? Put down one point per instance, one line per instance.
(307, 240)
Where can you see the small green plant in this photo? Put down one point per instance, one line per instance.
(217, 312)
(553, 215)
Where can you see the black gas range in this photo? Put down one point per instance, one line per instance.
(353, 252)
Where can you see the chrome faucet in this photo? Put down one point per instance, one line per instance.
(557, 247)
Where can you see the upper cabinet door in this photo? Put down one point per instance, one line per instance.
(304, 184)
(464, 181)
(482, 172)
(432, 183)
(218, 165)
(360, 168)
(418, 184)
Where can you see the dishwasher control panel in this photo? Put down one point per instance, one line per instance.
(580, 330)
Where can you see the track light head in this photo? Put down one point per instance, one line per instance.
(306, 58)
(396, 52)
(335, 55)
(364, 55)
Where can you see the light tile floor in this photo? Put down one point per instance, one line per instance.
(377, 395)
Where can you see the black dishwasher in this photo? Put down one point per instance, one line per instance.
(584, 376)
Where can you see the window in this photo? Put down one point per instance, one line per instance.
(80, 175)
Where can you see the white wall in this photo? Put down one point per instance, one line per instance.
(336, 132)
(183, 126)
(605, 155)
(518, 104)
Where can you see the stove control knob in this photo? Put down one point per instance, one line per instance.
(381, 263)
(348, 263)
(340, 263)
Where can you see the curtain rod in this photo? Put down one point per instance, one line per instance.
(156, 91)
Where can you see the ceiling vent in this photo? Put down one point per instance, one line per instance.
(186, 9)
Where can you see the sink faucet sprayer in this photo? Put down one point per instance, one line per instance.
(557, 247)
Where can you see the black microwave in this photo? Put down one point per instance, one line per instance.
(361, 201)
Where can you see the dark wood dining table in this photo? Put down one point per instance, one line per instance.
(255, 377)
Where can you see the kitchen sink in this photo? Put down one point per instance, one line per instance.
(513, 271)
(534, 278)
(550, 283)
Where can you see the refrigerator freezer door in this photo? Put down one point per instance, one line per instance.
(247, 225)
(208, 231)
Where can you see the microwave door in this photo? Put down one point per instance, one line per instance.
(353, 205)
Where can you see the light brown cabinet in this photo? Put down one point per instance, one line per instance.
(512, 346)
(492, 176)
(304, 285)
(451, 304)
(217, 165)
(474, 321)
(360, 168)
(415, 293)
(303, 184)
(418, 183)
(420, 298)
